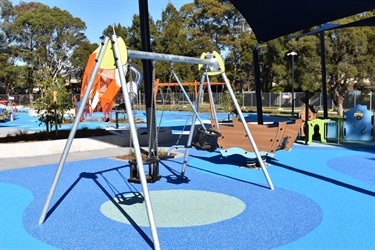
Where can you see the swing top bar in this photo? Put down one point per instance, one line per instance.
(212, 60)
(169, 57)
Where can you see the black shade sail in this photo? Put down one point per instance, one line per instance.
(271, 19)
(331, 26)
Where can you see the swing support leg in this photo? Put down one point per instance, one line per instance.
(251, 139)
(135, 142)
(188, 99)
(191, 134)
(72, 132)
(133, 131)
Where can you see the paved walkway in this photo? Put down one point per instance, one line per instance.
(22, 162)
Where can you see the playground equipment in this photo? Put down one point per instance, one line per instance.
(194, 84)
(358, 124)
(114, 56)
(269, 138)
(8, 109)
(107, 83)
(210, 62)
(311, 116)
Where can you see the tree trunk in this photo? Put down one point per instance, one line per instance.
(340, 110)
(56, 124)
(339, 105)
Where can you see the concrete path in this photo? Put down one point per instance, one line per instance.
(22, 162)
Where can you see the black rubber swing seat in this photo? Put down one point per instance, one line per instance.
(205, 139)
(153, 170)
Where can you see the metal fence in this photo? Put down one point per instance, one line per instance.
(282, 100)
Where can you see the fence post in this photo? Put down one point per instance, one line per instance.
(269, 99)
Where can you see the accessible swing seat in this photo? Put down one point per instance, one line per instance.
(153, 170)
(205, 139)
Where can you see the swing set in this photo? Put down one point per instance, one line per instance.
(115, 55)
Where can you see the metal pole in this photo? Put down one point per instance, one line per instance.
(306, 127)
(292, 54)
(292, 86)
(258, 90)
(188, 99)
(147, 70)
(192, 127)
(137, 149)
(324, 75)
(73, 131)
(252, 142)
(170, 57)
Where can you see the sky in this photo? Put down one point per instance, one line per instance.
(98, 14)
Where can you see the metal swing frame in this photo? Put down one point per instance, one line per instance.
(211, 64)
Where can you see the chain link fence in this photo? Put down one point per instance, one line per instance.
(282, 100)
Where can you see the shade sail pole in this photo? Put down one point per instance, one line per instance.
(147, 72)
(73, 130)
(258, 87)
(247, 130)
(324, 74)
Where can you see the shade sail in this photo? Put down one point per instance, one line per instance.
(330, 26)
(271, 19)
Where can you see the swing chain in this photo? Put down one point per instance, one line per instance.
(131, 106)
(153, 114)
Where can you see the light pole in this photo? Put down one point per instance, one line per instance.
(292, 54)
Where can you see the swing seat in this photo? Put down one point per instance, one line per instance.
(205, 140)
(153, 170)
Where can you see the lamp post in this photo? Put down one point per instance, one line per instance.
(292, 54)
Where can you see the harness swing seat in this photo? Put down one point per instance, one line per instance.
(205, 139)
(153, 170)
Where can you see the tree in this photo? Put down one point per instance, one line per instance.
(56, 101)
(10, 72)
(349, 63)
(78, 62)
(171, 38)
(228, 105)
(120, 31)
(45, 38)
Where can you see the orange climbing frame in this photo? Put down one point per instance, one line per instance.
(105, 87)
(188, 84)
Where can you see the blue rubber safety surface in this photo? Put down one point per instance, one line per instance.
(174, 119)
(324, 198)
(313, 206)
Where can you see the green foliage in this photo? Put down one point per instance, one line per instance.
(50, 43)
(44, 39)
(349, 63)
(53, 105)
(228, 105)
